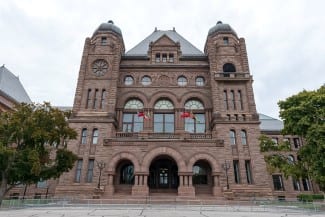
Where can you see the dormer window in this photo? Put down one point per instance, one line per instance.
(164, 57)
(157, 57)
(171, 58)
(104, 41)
(225, 40)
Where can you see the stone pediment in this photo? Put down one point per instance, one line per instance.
(164, 40)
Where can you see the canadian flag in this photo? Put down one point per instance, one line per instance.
(185, 115)
(145, 116)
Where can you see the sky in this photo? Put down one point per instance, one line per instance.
(41, 41)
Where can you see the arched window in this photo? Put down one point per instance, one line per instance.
(133, 104)
(232, 137)
(199, 81)
(195, 123)
(131, 121)
(291, 159)
(229, 67)
(243, 135)
(201, 173)
(127, 174)
(84, 136)
(164, 116)
(182, 81)
(95, 136)
(128, 80)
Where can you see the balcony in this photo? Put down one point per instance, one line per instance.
(168, 136)
(231, 76)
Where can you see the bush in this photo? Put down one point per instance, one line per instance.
(310, 197)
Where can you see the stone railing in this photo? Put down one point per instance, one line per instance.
(231, 75)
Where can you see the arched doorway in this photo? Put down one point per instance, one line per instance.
(202, 179)
(124, 179)
(163, 175)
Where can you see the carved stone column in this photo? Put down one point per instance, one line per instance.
(216, 190)
(185, 188)
(140, 187)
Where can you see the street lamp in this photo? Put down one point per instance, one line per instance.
(101, 166)
(226, 167)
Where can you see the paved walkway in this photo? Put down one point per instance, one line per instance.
(158, 211)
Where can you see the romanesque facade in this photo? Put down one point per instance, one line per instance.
(165, 118)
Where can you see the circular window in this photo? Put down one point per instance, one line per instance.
(199, 81)
(146, 80)
(182, 81)
(128, 80)
(100, 67)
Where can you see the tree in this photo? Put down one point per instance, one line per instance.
(303, 115)
(33, 145)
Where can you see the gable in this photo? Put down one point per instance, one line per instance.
(164, 40)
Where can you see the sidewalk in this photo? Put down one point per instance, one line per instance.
(158, 211)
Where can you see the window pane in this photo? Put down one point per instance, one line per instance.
(169, 128)
(138, 127)
(127, 117)
(200, 128)
(169, 118)
(164, 104)
(158, 127)
(193, 104)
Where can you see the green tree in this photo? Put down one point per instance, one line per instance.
(33, 145)
(303, 115)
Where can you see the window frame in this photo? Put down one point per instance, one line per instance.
(90, 171)
(83, 139)
(232, 137)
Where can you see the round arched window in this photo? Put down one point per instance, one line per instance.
(146, 80)
(128, 80)
(229, 67)
(193, 104)
(164, 104)
(182, 81)
(199, 81)
(133, 104)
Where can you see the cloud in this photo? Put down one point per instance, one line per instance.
(42, 41)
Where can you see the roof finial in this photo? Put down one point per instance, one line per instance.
(219, 22)
(111, 21)
(156, 29)
(174, 29)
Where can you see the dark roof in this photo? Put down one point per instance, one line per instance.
(11, 86)
(108, 27)
(142, 48)
(222, 28)
(270, 124)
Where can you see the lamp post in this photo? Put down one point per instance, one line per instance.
(101, 166)
(226, 167)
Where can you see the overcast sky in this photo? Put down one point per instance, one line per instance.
(42, 40)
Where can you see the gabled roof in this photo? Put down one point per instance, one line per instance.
(11, 86)
(270, 124)
(142, 48)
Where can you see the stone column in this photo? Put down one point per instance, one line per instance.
(109, 188)
(186, 188)
(140, 187)
(216, 190)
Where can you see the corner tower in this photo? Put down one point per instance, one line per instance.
(234, 116)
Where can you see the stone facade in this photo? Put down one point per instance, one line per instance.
(160, 151)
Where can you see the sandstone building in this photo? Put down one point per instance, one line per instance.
(166, 118)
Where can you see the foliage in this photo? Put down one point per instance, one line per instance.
(304, 116)
(310, 197)
(33, 145)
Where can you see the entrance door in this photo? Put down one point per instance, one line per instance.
(163, 174)
(163, 177)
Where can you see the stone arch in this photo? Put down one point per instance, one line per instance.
(204, 156)
(130, 95)
(195, 95)
(123, 156)
(163, 151)
(163, 94)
